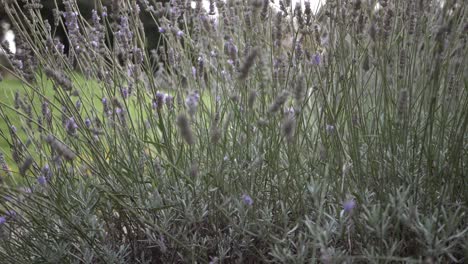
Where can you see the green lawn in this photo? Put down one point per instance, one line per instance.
(91, 94)
(89, 91)
(7, 90)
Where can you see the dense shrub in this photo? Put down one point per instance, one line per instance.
(262, 136)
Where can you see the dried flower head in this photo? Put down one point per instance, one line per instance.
(184, 127)
(248, 63)
(62, 149)
(402, 104)
(279, 102)
(192, 102)
(25, 166)
(288, 127)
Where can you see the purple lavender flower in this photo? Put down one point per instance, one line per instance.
(45, 108)
(4, 165)
(46, 172)
(88, 122)
(158, 101)
(105, 105)
(230, 49)
(60, 47)
(71, 21)
(316, 59)
(138, 54)
(169, 101)
(78, 104)
(42, 180)
(11, 213)
(137, 8)
(97, 34)
(132, 70)
(124, 92)
(194, 72)
(19, 64)
(330, 129)
(192, 102)
(2, 220)
(349, 205)
(95, 17)
(124, 34)
(247, 199)
(71, 126)
(162, 30)
(180, 33)
(104, 11)
(214, 260)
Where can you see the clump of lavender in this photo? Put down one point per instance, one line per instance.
(143, 169)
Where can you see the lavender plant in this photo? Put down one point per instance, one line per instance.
(249, 135)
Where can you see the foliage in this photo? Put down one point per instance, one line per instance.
(250, 136)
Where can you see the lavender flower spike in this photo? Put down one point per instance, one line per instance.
(349, 205)
(247, 199)
(42, 180)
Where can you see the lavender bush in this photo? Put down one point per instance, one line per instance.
(250, 135)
